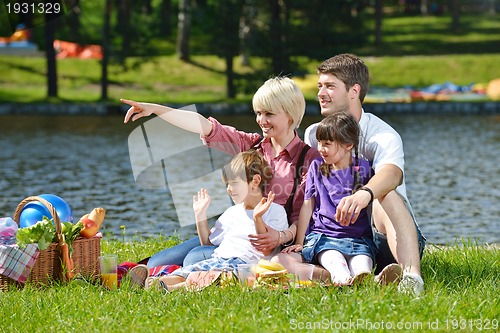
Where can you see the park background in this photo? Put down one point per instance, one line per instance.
(61, 132)
(211, 51)
(195, 52)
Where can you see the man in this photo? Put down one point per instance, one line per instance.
(343, 84)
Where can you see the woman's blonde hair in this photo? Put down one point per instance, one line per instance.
(281, 94)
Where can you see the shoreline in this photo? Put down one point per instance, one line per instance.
(104, 109)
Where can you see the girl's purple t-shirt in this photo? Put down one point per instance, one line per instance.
(328, 191)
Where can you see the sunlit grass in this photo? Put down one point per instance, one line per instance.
(432, 35)
(168, 80)
(461, 281)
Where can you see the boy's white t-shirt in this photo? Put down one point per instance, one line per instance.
(232, 228)
(379, 143)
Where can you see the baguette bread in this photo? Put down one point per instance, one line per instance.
(97, 215)
(86, 216)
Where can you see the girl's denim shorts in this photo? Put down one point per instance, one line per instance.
(316, 243)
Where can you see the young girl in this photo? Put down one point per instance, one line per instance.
(345, 250)
(245, 178)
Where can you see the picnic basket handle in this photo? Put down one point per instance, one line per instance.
(52, 210)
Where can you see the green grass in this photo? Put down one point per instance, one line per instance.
(164, 78)
(168, 80)
(431, 35)
(422, 71)
(462, 288)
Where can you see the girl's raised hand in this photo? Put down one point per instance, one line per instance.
(137, 110)
(201, 202)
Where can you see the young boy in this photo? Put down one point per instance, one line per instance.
(245, 177)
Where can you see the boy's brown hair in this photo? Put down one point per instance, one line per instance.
(247, 164)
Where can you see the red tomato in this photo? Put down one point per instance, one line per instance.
(90, 228)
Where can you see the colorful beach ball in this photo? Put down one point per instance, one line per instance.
(34, 211)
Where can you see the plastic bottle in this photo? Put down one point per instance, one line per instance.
(8, 231)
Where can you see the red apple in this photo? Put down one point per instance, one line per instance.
(90, 228)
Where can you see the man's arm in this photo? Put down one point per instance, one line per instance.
(387, 178)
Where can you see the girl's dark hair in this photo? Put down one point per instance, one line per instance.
(341, 128)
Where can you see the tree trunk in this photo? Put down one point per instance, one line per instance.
(230, 87)
(455, 15)
(245, 30)
(165, 14)
(74, 21)
(279, 58)
(147, 7)
(105, 50)
(491, 8)
(423, 8)
(124, 14)
(184, 27)
(378, 22)
(50, 55)
(25, 18)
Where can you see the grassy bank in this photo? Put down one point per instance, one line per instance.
(462, 294)
(168, 80)
(416, 51)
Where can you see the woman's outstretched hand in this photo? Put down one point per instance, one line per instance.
(137, 110)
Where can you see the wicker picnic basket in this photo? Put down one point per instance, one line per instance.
(48, 268)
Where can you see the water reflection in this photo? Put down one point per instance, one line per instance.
(452, 165)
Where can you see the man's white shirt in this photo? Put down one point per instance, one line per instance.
(379, 143)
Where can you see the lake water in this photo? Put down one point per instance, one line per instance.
(452, 168)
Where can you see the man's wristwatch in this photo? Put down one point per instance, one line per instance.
(367, 189)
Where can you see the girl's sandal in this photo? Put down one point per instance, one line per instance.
(358, 279)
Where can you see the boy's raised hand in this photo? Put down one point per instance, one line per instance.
(201, 202)
(263, 206)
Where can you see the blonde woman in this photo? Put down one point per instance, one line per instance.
(279, 106)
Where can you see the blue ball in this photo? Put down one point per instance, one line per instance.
(34, 211)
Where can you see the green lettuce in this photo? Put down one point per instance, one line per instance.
(70, 232)
(43, 232)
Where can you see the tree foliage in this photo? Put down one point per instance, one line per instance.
(275, 30)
